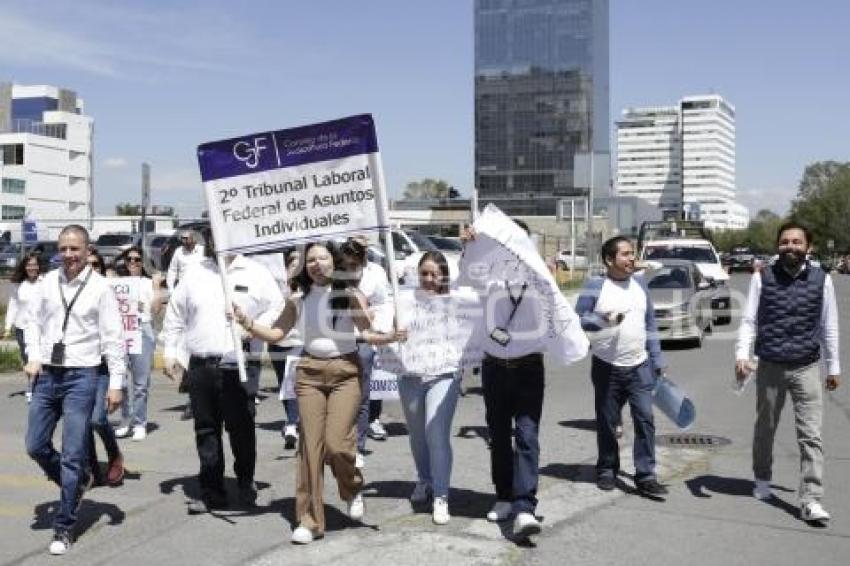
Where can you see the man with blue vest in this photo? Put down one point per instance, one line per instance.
(617, 314)
(790, 314)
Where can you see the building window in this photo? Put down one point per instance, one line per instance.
(12, 212)
(14, 186)
(12, 154)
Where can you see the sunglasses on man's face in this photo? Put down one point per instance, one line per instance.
(134, 259)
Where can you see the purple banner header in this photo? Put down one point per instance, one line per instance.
(263, 151)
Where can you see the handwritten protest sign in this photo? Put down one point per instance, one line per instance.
(126, 290)
(383, 385)
(443, 334)
(314, 182)
(503, 252)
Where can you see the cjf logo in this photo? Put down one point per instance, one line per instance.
(250, 154)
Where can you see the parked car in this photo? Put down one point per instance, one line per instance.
(449, 246)
(703, 254)
(682, 299)
(565, 261)
(409, 247)
(112, 244)
(48, 253)
(741, 259)
(10, 254)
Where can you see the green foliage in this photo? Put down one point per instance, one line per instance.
(818, 176)
(826, 211)
(429, 189)
(760, 234)
(10, 359)
(127, 209)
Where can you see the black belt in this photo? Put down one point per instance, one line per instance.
(528, 359)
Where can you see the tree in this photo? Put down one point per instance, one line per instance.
(818, 175)
(127, 209)
(826, 211)
(429, 189)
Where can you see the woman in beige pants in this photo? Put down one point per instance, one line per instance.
(326, 309)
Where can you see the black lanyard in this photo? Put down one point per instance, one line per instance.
(515, 301)
(69, 306)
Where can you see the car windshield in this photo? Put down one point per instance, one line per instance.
(422, 242)
(671, 278)
(447, 244)
(692, 253)
(114, 240)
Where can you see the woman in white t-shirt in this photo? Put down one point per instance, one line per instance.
(26, 279)
(327, 382)
(135, 405)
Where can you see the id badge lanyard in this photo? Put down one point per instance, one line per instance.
(68, 306)
(515, 301)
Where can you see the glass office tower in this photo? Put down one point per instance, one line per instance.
(541, 101)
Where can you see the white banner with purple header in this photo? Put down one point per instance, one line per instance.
(308, 183)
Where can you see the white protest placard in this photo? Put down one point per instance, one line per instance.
(126, 290)
(313, 182)
(443, 333)
(383, 385)
(503, 252)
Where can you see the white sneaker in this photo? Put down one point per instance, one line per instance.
(421, 493)
(301, 535)
(814, 511)
(28, 395)
(356, 507)
(440, 514)
(526, 525)
(377, 431)
(500, 511)
(762, 490)
(122, 432)
(139, 432)
(359, 460)
(60, 544)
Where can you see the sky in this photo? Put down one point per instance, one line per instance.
(162, 77)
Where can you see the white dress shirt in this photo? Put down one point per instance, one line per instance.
(180, 262)
(18, 311)
(195, 323)
(828, 324)
(527, 327)
(94, 324)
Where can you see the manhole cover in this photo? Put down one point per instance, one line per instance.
(691, 440)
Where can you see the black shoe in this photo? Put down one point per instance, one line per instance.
(248, 494)
(205, 504)
(187, 413)
(651, 487)
(605, 483)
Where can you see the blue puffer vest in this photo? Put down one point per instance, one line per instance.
(789, 315)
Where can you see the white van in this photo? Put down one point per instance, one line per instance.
(703, 254)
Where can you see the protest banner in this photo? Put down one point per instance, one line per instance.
(383, 385)
(126, 290)
(503, 252)
(443, 334)
(315, 182)
(271, 189)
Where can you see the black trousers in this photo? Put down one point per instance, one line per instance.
(218, 398)
(513, 402)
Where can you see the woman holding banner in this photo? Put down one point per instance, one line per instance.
(135, 407)
(429, 403)
(327, 382)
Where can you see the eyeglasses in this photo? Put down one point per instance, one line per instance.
(134, 259)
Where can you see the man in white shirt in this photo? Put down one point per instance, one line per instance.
(619, 319)
(790, 318)
(187, 254)
(74, 319)
(197, 336)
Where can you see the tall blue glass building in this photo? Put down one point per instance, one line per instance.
(541, 100)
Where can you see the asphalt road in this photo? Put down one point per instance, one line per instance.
(708, 518)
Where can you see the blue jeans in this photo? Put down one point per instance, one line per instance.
(369, 410)
(613, 386)
(429, 408)
(278, 357)
(68, 393)
(100, 420)
(22, 349)
(135, 406)
(513, 404)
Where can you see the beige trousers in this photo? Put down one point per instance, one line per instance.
(328, 393)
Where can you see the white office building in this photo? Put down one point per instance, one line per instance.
(682, 159)
(45, 156)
